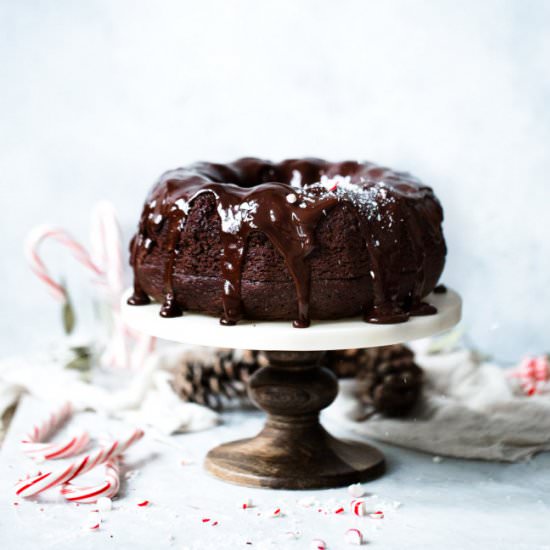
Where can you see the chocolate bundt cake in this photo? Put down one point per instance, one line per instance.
(295, 240)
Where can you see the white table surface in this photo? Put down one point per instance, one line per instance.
(452, 504)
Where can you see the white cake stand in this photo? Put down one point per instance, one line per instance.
(293, 451)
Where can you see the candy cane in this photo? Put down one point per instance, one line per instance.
(105, 238)
(108, 489)
(106, 247)
(43, 430)
(107, 251)
(32, 245)
(107, 266)
(44, 481)
(33, 443)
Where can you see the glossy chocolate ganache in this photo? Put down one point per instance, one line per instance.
(296, 240)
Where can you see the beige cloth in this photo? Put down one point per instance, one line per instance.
(470, 409)
(144, 397)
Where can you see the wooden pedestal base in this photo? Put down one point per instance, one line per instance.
(293, 451)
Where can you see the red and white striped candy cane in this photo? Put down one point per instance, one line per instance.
(109, 488)
(33, 443)
(107, 266)
(32, 246)
(44, 481)
(106, 249)
(107, 252)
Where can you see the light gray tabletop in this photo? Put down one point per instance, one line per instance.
(448, 504)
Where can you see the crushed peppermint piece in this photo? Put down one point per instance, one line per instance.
(339, 510)
(354, 536)
(356, 490)
(318, 544)
(379, 514)
(93, 520)
(143, 503)
(276, 513)
(331, 184)
(358, 507)
(205, 520)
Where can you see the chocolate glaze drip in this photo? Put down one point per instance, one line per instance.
(170, 307)
(286, 202)
(139, 296)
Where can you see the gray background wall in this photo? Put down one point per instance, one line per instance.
(98, 97)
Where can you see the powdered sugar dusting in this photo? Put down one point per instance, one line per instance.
(371, 198)
(233, 217)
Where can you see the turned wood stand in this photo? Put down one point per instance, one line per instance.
(293, 450)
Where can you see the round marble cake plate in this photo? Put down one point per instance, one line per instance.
(293, 451)
(203, 330)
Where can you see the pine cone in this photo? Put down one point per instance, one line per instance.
(352, 363)
(393, 381)
(348, 363)
(218, 379)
